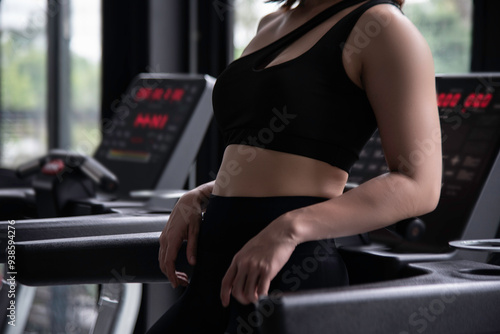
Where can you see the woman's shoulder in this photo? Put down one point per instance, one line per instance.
(386, 27)
(384, 18)
(270, 18)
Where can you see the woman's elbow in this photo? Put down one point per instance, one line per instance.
(428, 183)
(433, 199)
(429, 196)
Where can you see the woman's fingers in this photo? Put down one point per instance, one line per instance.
(227, 284)
(264, 284)
(252, 269)
(168, 265)
(245, 282)
(163, 252)
(192, 243)
(249, 291)
(182, 278)
(183, 224)
(239, 283)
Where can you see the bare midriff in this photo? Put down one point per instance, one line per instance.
(256, 172)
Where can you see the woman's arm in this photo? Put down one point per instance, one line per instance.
(183, 224)
(398, 76)
(397, 73)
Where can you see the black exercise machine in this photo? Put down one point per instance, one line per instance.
(150, 146)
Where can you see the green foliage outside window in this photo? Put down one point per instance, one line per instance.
(23, 86)
(445, 24)
(447, 27)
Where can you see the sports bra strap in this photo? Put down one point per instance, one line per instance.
(279, 45)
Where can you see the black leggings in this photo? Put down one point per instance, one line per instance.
(228, 224)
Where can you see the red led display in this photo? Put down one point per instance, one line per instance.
(478, 100)
(473, 100)
(448, 100)
(158, 94)
(151, 121)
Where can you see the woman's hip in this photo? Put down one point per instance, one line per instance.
(230, 222)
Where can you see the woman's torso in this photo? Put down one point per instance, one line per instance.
(258, 172)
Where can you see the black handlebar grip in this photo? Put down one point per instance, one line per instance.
(104, 179)
(29, 168)
(91, 168)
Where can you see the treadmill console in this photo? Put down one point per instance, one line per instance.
(161, 118)
(469, 109)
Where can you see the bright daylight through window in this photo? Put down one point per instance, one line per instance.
(23, 73)
(445, 24)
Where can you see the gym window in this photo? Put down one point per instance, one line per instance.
(27, 40)
(23, 85)
(445, 24)
(447, 27)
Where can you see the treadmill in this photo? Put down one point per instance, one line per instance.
(138, 172)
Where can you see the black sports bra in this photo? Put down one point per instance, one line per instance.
(306, 106)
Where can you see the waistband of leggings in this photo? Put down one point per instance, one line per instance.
(258, 206)
(242, 213)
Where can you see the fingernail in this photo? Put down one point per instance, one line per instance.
(192, 259)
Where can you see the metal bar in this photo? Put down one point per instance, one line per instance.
(58, 74)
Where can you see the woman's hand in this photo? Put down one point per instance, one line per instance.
(183, 224)
(256, 264)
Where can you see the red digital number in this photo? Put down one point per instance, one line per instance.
(168, 93)
(455, 99)
(448, 100)
(157, 94)
(479, 100)
(486, 100)
(177, 94)
(143, 94)
(440, 99)
(152, 121)
(469, 100)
